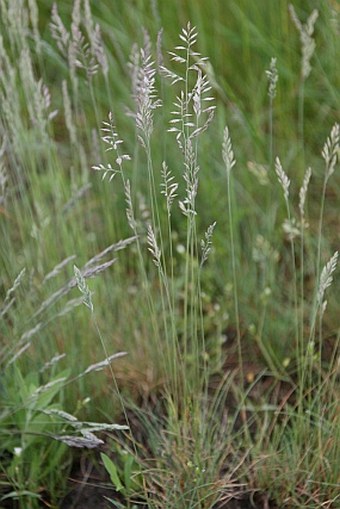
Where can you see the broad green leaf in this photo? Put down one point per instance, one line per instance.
(112, 471)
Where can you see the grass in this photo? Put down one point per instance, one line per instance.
(216, 248)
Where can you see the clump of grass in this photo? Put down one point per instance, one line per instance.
(183, 361)
(215, 432)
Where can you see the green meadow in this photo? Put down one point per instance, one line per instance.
(169, 236)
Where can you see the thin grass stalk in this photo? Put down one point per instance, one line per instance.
(200, 339)
(301, 120)
(302, 195)
(205, 378)
(193, 307)
(235, 286)
(188, 254)
(300, 353)
(271, 132)
(295, 283)
(171, 254)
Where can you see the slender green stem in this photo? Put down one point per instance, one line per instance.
(271, 136)
(295, 283)
(301, 120)
(235, 288)
(299, 352)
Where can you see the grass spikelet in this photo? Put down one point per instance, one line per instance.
(99, 366)
(168, 187)
(260, 171)
(59, 32)
(76, 13)
(89, 442)
(89, 272)
(9, 299)
(99, 50)
(52, 362)
(153, 246)
(58, 268)
(113, 248)
(330, 151)
(206, 243)
(303, 192)
(145, 97)
(283, 178)
(28, 334)
(68, 114)
(18, 354)
(111, 138)
(307, 42)
(88, 20)
(34, 17)
(130, 215)
(81, 54)
(326, 277)
(83, 288)
(273, 77)
(69, 306)
(190, 175)
(3, 184)
(227, 151)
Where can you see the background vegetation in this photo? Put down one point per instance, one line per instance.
(229, 388)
